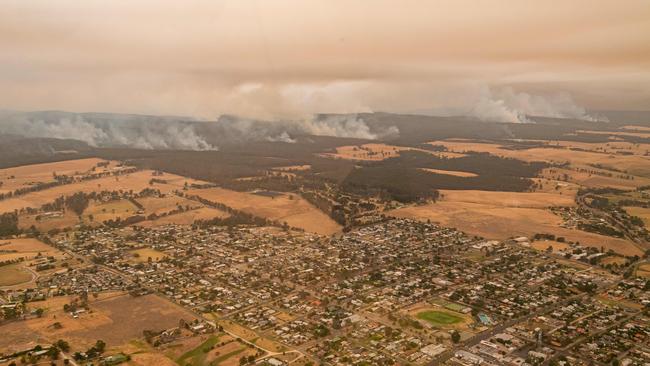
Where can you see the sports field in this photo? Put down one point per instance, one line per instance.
(439, 318)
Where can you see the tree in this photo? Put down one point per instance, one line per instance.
(455, 336)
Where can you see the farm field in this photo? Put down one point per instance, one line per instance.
(159, 205)
(186, 217)
(135, 181)
(289, 208)
(27, 175)
(494, 215)
(632, 164)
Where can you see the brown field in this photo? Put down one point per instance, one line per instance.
(289, 208)
(507, 199)
(377, 152)
(450, 172)
(593, 180)
(135, 181)
(542, 245)
(613, 260)
(185, 218)
(643, 270)
(143, 255)
(109, 210)
(159, 205)
(501, 215)
(27, 175)
(643, 213)
(14, 274)
(116, 320)
(635, 165)
(27, 248)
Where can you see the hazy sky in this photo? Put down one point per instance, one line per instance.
(274, 58)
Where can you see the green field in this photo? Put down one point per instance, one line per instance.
(437, 318)
(196, 357)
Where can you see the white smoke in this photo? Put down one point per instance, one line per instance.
(506, 105)
(345, 126)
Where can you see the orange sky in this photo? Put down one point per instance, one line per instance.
(280, 58)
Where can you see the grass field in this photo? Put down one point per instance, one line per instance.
(14, 274)
(289, 208)
(439, 318)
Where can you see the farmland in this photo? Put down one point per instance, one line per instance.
(289, 208)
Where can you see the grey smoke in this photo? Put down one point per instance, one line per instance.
(151, 132)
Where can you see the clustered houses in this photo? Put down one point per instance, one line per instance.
(352, 299)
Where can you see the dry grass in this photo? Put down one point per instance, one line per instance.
(168, 203)
(501, 215)
(508, 199)
(14, 274)
(643, 270)
(377, 152)
(186, 218)
(641, 212)
(633, 164)
(26, 175)
(289, 208)
(143, 255)
(135, 181)
(455, 173)
(543, 245)
(116, 320)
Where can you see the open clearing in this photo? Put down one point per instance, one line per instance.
(160, 205)
(455, 173)
(108, 321)
(27, 248)
(543, 245)
(289, 208)
(378, 152)
(502, 215)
